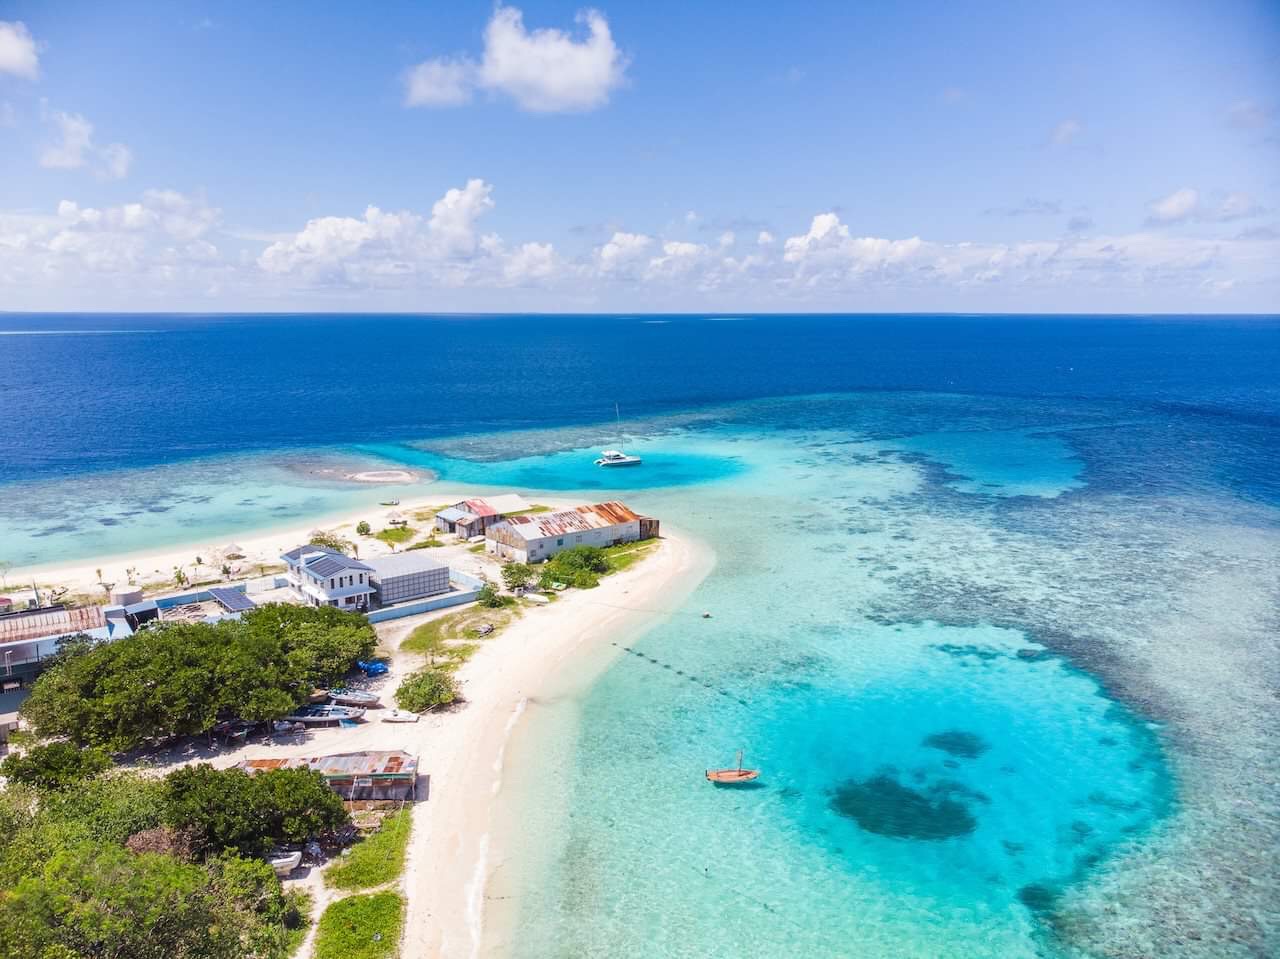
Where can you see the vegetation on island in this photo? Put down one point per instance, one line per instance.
(183, 678)
(451, 639)
(331, 541)
(427, 688)
(230, 810)
(54, 765)
(376, 859)
(130, 865)
(579, 566)
(517, 575)
(361, 927)
(395, 535)
(363, 528)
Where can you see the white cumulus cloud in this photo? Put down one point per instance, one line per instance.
(74, 149)
(1187, 204)
(18, 54)
(544, 70)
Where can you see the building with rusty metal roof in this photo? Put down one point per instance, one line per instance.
(389, 774)
(533, 538)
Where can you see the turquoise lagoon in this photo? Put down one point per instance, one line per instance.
(940, 646)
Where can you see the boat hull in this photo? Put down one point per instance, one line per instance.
(732, 777)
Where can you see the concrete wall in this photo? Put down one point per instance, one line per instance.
(423, 606)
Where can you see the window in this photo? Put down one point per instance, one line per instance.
(560, 542)
(331, 582)
(362, 579)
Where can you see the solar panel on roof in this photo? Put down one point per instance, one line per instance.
(232, 600)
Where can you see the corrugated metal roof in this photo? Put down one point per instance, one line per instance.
(393, 763)
(38, 623)
(578, 520)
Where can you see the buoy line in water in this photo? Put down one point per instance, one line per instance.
(696, 680)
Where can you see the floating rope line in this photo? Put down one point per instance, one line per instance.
(696, 680)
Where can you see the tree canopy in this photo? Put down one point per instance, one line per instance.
(230, 810)
(54, 765)
(182, 678)
(79, 883)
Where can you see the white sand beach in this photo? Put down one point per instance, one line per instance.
(461, 752)
(154, 568)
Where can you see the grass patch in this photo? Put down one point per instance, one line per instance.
(376, 859)
(396, 534)
(478, 548)
(429, 543)
(626, 554)
(298, 921)
(536, 508)
(361, 927)
(451, 640)
(427, 515)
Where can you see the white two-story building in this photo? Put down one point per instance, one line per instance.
(320, 576)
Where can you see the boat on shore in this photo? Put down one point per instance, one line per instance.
(390, 502)
(733, 777)
(328, 713)
(352, 697)
(284, 862)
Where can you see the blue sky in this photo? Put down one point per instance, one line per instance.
(913, 156)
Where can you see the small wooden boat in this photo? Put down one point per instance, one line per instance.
(732, 777)
(398, 716)
(390, 502)
(353, 697)
(323, 714)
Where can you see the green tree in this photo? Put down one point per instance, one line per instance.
(488, 597)
(516, 575)
(182, 678)
(330, 541)
(54, 765)
(426, 688)
(97, 899)
(363, 528)
(230, 810)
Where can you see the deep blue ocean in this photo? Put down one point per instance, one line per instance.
(106, 391)
(995, 598)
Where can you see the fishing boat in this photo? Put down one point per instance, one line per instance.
(617, 457)
(733, 777)
(324, 714)
(284, 862)
(390, 502)
(352, 697)
(398, 716)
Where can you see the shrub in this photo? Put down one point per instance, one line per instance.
(55, 765)
(376, 859)
(515, 575)
(426, 688)
(363, 528)
(488, 597)
(361, 927)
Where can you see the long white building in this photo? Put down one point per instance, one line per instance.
(533, 538)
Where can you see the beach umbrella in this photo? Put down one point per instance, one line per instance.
(233, 551)
(394, 516)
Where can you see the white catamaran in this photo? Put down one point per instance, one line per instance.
(617, 457)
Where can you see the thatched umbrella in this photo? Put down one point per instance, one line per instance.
(232, 551)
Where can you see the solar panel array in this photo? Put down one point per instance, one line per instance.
(232, 600)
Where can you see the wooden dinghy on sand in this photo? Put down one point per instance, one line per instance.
(733, 777)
